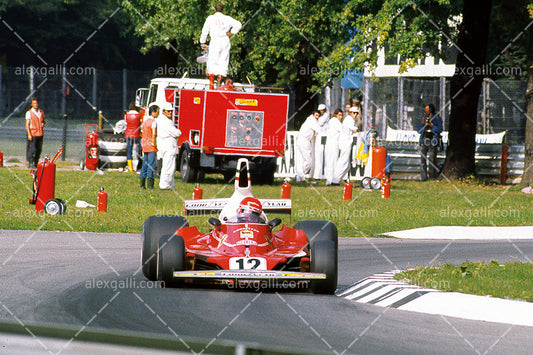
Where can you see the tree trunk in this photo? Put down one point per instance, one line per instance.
(465, 88)
(527, 178)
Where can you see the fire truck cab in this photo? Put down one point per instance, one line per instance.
(219, 126)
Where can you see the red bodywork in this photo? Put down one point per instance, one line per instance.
(286, 249)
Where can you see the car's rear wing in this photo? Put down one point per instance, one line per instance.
(215, 205)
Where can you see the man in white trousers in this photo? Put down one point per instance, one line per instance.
(167, 145)
(349, 127)
(305, 145)
(331, 151)
(220, 28)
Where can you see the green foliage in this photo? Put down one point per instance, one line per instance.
(277, 43)
(508, 280)
(409, 29)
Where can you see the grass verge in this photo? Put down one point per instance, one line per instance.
(509, 280)
(412, 204)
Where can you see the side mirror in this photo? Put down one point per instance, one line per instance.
(274, 223)
(215, 222)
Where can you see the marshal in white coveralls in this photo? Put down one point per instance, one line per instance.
(167, 145)
(331, 150)
(217, 26)
(304, 147)
(346, 135)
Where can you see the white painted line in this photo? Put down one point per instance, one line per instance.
(465, 233)
(483, 308)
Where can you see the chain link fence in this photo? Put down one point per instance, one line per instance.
(399, 103)
(79, 93)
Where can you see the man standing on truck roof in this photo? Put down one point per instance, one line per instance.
(167, 145)
(220, 28)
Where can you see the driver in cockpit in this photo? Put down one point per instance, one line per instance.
(250, 211)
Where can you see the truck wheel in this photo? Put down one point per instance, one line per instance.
(323, 255)
(188, 174)
(153, 229)
(318, 231)
(170, 257)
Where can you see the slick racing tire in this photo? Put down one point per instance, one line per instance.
(153, 229)
(319, 230)
(323, 255)
(170, 258)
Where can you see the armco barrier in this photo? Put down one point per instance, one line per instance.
(406, 160)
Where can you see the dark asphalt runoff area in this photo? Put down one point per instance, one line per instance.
(94, 280)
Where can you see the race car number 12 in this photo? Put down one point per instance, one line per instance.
(247, 263)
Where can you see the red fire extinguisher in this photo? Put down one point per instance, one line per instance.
(102, 200)
(347, 193)
(286, 189)
(385, 187)
(1, 159)
(197, 192)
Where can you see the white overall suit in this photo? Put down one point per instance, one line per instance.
(167, 146)
(217, 26)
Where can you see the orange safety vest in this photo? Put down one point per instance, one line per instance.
(36, 123)
(148, 139)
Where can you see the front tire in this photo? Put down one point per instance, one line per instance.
(170, 257)
(324, 260)
(319, 230)
(153, 229)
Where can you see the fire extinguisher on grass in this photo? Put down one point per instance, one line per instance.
(347, 193)
(197, 192)
(102, 200)
(286, 189)
(385, 187)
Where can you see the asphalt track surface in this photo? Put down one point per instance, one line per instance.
(93, 280)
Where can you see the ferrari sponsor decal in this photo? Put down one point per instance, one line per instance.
(246, 102)
(244, 263)
(303, 275)
(197, 100)
(246, 234)
(248, 274)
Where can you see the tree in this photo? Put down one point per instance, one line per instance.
(279, 44)
(55, 29)
(528, 144)
(412, 29)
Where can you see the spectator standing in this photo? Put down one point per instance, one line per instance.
(132, 134)
(331, 150)
(349, 127)
(220, 28)
(34, 129)
(304, 145)
(149, 148)
(430, 128)
(167, 145)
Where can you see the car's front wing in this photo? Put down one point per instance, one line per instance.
(248, 275)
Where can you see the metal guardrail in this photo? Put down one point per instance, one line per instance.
(488, 157)
(127, 339)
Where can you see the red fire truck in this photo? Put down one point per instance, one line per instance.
(219, 126)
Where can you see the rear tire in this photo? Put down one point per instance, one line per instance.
(323, 255)
(319, 230)
(153, 229)
(170, 257)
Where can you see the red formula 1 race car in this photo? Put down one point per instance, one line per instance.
(242, 247)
